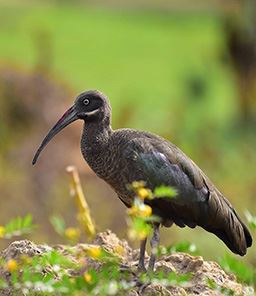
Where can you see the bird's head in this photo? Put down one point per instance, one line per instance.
(91, 106)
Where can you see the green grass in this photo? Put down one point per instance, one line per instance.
(140, 59)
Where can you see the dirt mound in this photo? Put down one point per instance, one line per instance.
(179, 263)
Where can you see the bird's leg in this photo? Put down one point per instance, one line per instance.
(154, 245)
(141, 265)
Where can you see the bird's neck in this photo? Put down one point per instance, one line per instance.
(95, 139)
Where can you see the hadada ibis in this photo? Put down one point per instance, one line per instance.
(123, 156)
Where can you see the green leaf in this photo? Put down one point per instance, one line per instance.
(211, 283)
(185, 247)
(27, 221)
(56, 258)
(58, 224)
(244, 272)
(138, 228)
(3, 284)
(165, 191)
(219, 290)
(251, 220)
(19, 226)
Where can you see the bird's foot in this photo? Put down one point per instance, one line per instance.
(151, 265)
(141, 268)
(142, 288)
(141, 284)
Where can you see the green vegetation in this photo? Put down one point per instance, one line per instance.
(17, 227)
(184, 246)
(251, 220)
(244, 273)
(52, 272)
(169, 73)
(123, 53)
(48, 274)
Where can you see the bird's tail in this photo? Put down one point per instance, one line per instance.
(227, 225)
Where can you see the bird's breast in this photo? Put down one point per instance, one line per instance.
(113, 168)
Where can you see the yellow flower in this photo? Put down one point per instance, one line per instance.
(145, 211)
(142, 193)
(138, 184)
(72, 233)
(87, 277)
(26, 259)
(132, 211)
(119, 250)
(134, 234)
(2, 231)
(142, 234)
(11, 265)
(141, 210)
(94, 252)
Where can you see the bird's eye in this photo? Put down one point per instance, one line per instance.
(86, 102)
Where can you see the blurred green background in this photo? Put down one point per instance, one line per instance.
(185, 71)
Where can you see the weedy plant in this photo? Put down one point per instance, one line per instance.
(251, 220)
(140, 214)
(244, 272)
(71, 234)
(17, 227)
(220, 290)
(67, 272)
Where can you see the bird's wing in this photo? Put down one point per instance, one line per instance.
(161, 160)
(198, 201)
(158, 170)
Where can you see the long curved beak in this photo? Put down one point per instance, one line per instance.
(68, 117)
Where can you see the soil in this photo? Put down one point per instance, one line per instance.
(180, 263)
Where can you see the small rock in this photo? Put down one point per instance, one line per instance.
(111, 243)
(23, 247)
